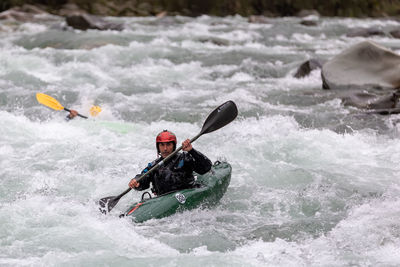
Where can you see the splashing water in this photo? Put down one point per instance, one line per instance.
(313, 182)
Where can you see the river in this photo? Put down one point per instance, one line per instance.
(314, 182)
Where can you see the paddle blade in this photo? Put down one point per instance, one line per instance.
(95, 110)
(48, 101)
(108, 203)
(220, 117)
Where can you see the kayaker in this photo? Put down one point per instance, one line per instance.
(177, 173)
(72, 114)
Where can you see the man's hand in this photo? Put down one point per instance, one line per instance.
(73, 113)
(186, 145)
(133, 183)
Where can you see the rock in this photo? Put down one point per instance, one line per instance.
(308, 12)
(365, 32)
(85, 22)
(127, 12)
(70, 9)
(388, 101)
(356, 99)
(395, 33)
(309, 22)
(26, 13)
(15, 15)
(111, 8)
(144, 9)
(364, 65)
(215, 40)
(31, 9)
(368, 100)
(162, 14)
(385, 111)
(258, 19)
(101, 9)
(307, 67)
(125, 9)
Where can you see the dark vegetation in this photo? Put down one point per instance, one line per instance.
(343, 8)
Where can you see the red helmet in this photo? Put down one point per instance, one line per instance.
(165, 137)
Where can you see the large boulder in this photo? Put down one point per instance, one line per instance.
(365, 65)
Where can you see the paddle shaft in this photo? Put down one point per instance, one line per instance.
(66, 109)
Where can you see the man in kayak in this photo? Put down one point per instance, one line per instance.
(177, 173)
(94, 111)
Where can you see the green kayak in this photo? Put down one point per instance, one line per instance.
(212, 187)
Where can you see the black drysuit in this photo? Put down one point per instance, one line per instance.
(176, 174)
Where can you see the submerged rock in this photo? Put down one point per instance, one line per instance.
(367, 32)
(365, 65)
(215, 41)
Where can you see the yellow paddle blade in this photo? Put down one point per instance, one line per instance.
(48, 101)
(95, 110)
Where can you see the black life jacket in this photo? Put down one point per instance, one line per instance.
(176, 174)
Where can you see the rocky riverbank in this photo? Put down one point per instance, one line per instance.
(345, 8)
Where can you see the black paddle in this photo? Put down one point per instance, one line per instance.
(220, 117)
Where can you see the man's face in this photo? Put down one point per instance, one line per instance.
(166, 148)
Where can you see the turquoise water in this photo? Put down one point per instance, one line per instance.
(314, 183)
